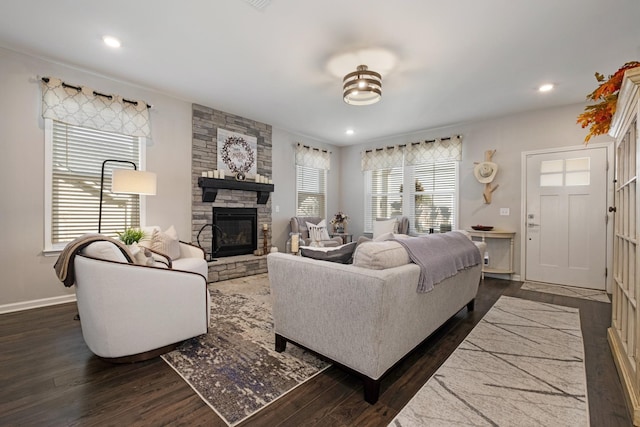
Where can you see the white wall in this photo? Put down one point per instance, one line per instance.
(509, 136)
(27, 274)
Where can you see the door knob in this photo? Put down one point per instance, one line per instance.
(613, 209)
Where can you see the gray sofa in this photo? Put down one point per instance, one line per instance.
(362, 318)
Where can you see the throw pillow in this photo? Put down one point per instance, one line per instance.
(385, 226)
(148, 236)
(104, 250)
(380, 255)
(141, 255)
(341, 254)
(166, 242)
(320, 228)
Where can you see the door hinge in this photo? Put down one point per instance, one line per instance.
(606, 220)
(606, 272)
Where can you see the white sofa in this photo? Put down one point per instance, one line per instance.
(362, 318)
(131, 312)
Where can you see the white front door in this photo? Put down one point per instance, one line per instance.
(566, 214)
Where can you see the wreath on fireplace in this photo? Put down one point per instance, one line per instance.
(238, 155)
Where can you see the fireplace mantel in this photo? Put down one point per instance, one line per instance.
(210, 187)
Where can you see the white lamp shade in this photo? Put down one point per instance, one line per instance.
(129, 181)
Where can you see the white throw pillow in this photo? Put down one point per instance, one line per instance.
(166, 242)
(141, 255)
(380, 255)
(104, 250)
(320, 228)
(385, 226)
(148, 235)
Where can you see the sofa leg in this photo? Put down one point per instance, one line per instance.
(371, 390)
(471, 305)
(281, 343)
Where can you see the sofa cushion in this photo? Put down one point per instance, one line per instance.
(194, 265)
(342, 254)
(380, 255)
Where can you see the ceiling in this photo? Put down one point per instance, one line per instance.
(443, 62)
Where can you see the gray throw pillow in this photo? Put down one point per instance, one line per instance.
(342, 254)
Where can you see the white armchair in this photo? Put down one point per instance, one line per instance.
(130, 312)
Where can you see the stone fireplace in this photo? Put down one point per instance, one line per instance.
(205, 123)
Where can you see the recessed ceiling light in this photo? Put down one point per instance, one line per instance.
(350, 132)
(111, 41)
(545, 88)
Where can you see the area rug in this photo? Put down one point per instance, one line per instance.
(567, 291)
(522, 365)
(234, 368)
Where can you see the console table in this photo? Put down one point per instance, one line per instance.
(492, 246)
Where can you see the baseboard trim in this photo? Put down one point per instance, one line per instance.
(36, 303)
(514, 277)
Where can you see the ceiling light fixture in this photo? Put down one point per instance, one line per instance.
(350, 132)
(545, 88)
(111, 41)
(362, 87)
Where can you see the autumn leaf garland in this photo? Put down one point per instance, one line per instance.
(598, 116)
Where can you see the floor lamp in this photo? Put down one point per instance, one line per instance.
(127, 181)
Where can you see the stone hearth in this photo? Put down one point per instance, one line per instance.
(205, 122)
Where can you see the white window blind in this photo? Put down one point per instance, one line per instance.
(430, 202)
(73, 197)
(383, 189)
(433, 205)
(311, 191)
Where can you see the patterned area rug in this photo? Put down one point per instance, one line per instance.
(522, 365)
(567, 291)
(234, 368)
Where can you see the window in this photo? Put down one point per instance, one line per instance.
(569, 172)
(312, 165)
(383, 189)
(311, 191)
(416, 180)
(434, 196)
(74, 157)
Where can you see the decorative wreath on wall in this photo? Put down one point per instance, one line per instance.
(238, 155)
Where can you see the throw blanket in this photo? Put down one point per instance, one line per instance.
(64, 265)
(440, 256)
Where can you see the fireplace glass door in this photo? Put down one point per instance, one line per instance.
(235, 231)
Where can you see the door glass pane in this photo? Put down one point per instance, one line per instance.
(550, 166)
(577, 178)
(551, 180)
(578, 164)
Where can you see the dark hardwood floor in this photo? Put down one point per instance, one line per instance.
(48, 377)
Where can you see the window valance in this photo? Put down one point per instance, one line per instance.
(414, 153)
(312, 157)
(433, 151)
(82, 106)
(382, 158)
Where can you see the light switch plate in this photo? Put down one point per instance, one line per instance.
(504, 211)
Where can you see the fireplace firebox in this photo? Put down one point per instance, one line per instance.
(235, 231)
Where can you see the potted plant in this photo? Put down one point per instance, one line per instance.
(130, 236)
